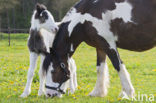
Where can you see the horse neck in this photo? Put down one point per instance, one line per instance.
(35, 24)
(64, 47)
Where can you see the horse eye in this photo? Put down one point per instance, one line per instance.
(63, 65)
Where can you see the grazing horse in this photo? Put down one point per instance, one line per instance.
(105, 25)
(42, 32)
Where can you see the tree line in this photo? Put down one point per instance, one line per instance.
(17, 13)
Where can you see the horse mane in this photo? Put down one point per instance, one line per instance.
(59, 36)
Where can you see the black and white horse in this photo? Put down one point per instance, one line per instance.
(105, 25)
(42, 32)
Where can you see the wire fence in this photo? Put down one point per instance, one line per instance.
(10, 32)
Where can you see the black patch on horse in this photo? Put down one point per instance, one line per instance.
(36, 42)
(40, 10)
(95, 9)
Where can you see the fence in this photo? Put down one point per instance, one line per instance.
(9, 31)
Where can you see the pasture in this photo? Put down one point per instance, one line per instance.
(14, 63)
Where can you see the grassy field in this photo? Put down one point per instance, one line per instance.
(14, 63)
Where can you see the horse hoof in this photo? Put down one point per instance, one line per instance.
(97, 94)
(24, 95)
(40, 93)
(72, 91)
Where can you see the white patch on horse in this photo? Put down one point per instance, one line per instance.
(35, 23)
(125, 81)
(102, 82)
(95, 1)
(101, 25)
(48, 38)
(123, 10)
(41, 14)
(73, 78)
(41, 90)
(49, 79)
(72, 49)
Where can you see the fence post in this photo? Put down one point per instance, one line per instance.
(9, 35)
(0, 29)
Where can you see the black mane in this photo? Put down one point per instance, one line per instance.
(61, 36)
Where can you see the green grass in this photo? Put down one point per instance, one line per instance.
(14, 63)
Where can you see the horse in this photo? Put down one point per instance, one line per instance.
(105, 25)
(42, 32)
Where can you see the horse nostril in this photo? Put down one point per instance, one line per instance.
(49, 95)
(54, 95)
(56, 30)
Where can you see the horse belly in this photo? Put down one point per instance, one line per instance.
(134, 23)
(135, 37)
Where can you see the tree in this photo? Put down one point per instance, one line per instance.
(62, 6)
(6, 4)
(17, 13)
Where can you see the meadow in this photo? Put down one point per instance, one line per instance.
(14, 64)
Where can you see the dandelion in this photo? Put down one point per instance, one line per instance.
(11, 82)
(119, 99)
(154, 70)
(15, 89)
(86, 94)
(79, 87)
(74, 96)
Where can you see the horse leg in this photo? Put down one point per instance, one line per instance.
(42, 77)
(33, 59)
(75, 80)
(102, 82)
(72, 71)
(127, 86)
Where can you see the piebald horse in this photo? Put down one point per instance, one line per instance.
(42, 32)
(105, 25)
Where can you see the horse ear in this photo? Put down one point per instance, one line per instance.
(38, 7)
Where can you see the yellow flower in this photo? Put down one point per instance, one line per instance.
(73, 95)
(79, 87)
(87, 86)
(86, 94)
(11, 82)
(119, 99)
(15, 89)
(154, 70)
